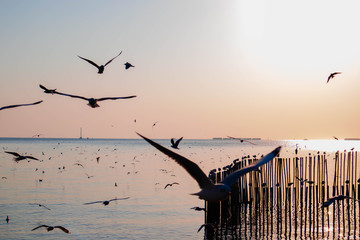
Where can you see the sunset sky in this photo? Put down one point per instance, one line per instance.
(203, 69)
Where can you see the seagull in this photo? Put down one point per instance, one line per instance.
(155, 124)
(128, 65)
(242, 140)
(214, 226)
(175, 144)
(40, 205)
(49, 91)
(332, 75)
(335, 138)
(100, 68)
(7, 219)
(79, 164)
(19, 157)
(50, 228)
(209, 191)
(170, 184)
(198, 209)
(107, 201)
(93, 101)
(333, 199)
(20, 105)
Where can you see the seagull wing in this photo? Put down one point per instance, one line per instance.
(241, 140)
(89, 61)
(31, 157)
(112, 59)
(73, 96)
(114, 98)
(93, 202)
(192, 168)
(62, 228)
(42, 87)
(20, 105)
(178, 141)
(40, 227)
(14, 153)
(172, 141)
(233, 177)
(118, 199)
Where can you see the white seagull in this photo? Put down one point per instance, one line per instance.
(209, 191)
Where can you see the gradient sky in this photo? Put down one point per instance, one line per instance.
(203, 68)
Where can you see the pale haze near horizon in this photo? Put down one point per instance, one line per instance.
(203, 69)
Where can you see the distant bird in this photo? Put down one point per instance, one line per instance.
(40, 205)
(331, 200)
(92, 102)
(175, 144)
(209, 191)
(88, 176)
(170, 184)
(7, 219)
(20, 105)
(198, 209)
(49, 91)
(19, 157)
(335, 138)
(242, 140)
(128, 65)
(214, 226)
(107, 201)
(97, 159)
(79, 164)
(332, 75)
(100, 68)
(37, 135)
(155, 124)
(50, 228)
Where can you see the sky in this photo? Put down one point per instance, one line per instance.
(203, 69)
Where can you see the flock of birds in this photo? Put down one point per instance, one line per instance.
(209, 191)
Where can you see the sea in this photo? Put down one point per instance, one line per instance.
(73, 172)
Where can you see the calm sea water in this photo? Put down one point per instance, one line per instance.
(139, 171)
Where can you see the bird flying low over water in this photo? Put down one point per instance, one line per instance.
(40, 205)
(19, 157)
(20, 105)
(175, 144)
(242, 140)
(107, 201)
(50, 228)
(128, 65)
(100, 68)
(92, 102)
(332, 75)
(209, 191)
(333, 199)
(170, 184)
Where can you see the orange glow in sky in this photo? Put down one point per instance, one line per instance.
(203, 69)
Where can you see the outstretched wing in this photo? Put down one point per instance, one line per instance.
(118, 199)
(31, 157)
(192, 168)
(89, 61)
(73, 96)
(40, 227)
(112, 59)
(241, 139)
(93, 202)
(178, 141)
(20, 105)
(62, 228)
(233, 177)
(14, 153)
(114, 98)
(42, 87)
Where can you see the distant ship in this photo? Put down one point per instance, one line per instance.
(353, 139)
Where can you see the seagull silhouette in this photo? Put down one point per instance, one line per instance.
(50, 228)
(40, 205)
(49, 91)
(128, 65)
(331, 200)
(19, 157)
(242, 140)
(170, 184)
(175, 144)
(20, 105)
(198, 209)
(92, 102)
(100, 68)
(209, 191)
(332, 75)
(107, 201)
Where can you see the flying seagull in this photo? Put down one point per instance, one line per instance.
(332, 75)
(128, 65)
(333, 199)
(198, 209)
(209, 191)
(40, 205)
(20, 105)
(175, 144)
(107, 201)
(92, 102)
(49, 91)
(19, 157)
(170, 184)
(242, 140)
(101, 67)
(50, 228)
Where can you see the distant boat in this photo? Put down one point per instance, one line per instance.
(352, 139)
(80, 133)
